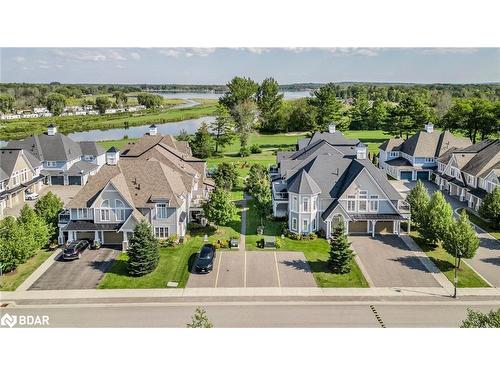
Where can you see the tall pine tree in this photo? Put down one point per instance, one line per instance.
(143, 253)
(340, 251)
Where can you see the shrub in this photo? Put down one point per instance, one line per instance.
(255, 149)
(245, 151)
(321, 233)
(221, 244)
(170, 241)
(278, 243)
(312, 236)
(293, 235)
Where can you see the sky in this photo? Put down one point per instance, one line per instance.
(219, 65)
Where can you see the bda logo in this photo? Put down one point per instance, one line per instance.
(8, 320)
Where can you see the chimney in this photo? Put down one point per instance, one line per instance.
(51, 129)
(112, 156)
(331, 127)
(361, 151)
(429, 127)
(153, 130)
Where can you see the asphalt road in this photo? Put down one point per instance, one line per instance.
(261, 314)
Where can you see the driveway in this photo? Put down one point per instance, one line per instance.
(66, 193)
(487, 259)
(83, 273)
(390, 263)
(254, 269)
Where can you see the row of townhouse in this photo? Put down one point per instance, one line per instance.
(155, 179)
(329, 179)
(86, 110)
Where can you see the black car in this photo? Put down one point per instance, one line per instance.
(74, 249)
(205, 262)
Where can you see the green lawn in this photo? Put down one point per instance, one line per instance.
(174, 262)
(467, 278)
(12, 280)
(483, 224)
(315, 251)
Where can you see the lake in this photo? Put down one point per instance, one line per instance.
(213, 95)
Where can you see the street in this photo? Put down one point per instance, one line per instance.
(261, 314)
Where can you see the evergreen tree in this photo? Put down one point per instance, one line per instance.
(219, 209)
(199, 319)
(37, 232)
(477, 319)
(222, 128)
(202, 144)
(341, 254)
(143, 252)
(269, 102)
(262, 198)
(418, 199)
(377, 116)
(461, 239)
(490, 207)
(437, 220)
(48, 207)
(360, 114)
(225, 176)
(328, 108)
(255, 175)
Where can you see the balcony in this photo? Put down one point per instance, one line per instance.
(64, 217)
(280, 196)
(273, 169)
(404, 207)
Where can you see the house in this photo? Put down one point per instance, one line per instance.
(154, 179)
(415, 158)
(19, 172)
(330, 179)
(64, 161)
(471, 172)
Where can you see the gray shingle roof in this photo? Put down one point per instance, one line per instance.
(8, 159)
(302, 183)
(91, 148)
(57, 147)
(435, 144)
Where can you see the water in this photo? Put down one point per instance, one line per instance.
(213, 95)
(170, 128)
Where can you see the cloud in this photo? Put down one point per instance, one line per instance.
(101, 54)
(444, 51)
(354, 51)
(135, 56)
(257, 50)
(186, 52)
(171, 52)
(20, 59)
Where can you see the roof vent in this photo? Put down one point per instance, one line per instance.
(429, 127)
(51, 129)
(332, 127)
(153, 130)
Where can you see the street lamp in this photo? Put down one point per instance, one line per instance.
(458, 254)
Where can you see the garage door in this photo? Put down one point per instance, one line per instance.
(74, 180)
(406, 175)
(357, 227)
(85, 236)
(57, 180)
(423, 176)
(383, 227)
(113, 238)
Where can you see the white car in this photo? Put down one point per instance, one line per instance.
(30, 196)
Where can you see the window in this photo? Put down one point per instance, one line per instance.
(470, 180)
(313, 224)
(305, 225)
(429, 160)
(161, 210)
(351, 203)
(161, 232)
(51, 164)
(2, 185)
(374, 203)
(104, 210)
(119, 210)
(294, 224)
(82, 213)
(294, 203)
(314, 203)
(305, 204)
(393, 154)
(363, 200)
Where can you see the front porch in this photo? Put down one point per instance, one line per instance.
(370, 224)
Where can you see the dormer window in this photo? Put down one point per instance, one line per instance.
(161, 210)
(51, 164)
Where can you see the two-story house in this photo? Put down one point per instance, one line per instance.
(416, 157)
(64, 161)
(155, 179)
(330, 179)
(471, 172)
(19, 172)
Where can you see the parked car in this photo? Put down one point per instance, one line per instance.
(30, 196)
(205, 262)
(74, 249)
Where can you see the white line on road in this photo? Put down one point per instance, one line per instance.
(245, 272)
(277, 270)
(218, 268)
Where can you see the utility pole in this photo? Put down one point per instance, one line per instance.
(458, 254)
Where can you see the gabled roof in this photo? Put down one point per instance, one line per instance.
(335, 139)
(8, 159)
(392, 144)
(485, 159)
(434, 144)
(302, 183)
(91, 148)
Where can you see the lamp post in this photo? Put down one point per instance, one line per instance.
(458, 254)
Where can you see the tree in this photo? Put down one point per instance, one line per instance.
(418, 199)
(14, 246)
(477, 319)
(269, 102)
(360, 114)
(240, 89)
(120, 98)
(437, 220)
(202, 143)
(408, 117)
(183, 135)
(143, 252)
(377, 115)
(490, 207)
(262, 198)
(56, 103)
(48, 207)
(225, 176)
(102, 103)
(199, 319)
(244, 115)
(341, 254)
(6, 102)
(328, 109)
(36, 230)
(256, 173)
(302, 116)
(219, 209)
(222, 128)
(149, 100)
(461, 239)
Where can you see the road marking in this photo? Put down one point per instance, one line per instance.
(245, 272)
(377, 316)
(277, 271)
(218, 268)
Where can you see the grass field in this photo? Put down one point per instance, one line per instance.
(12, 280)
(467, 278)
(315, 251)
(483, 224)
(174, 264)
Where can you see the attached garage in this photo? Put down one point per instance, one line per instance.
(75, 180)
(85, 236)
(358, 227)
(113, 238)
(384, 227)
(406, 175)
(423, 175)
(57, 180)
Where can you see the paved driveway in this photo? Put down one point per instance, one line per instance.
(83, 273)
(238, 269)
(390, 263)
